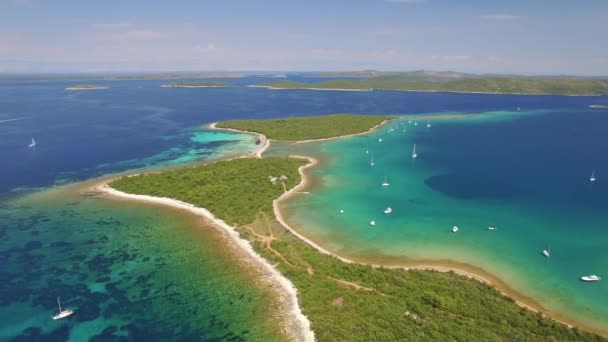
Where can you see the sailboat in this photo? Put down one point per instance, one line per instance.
(32, 144)
(547, 252)
(373, 223)
(371, 163)
(379, 139)
(455, 229)
(341, 211)
(62, 313)
(415, 123)
(388, 210)
(414, 155)
(428, 125)
(366, 150)
(592, 178)
(385, 183)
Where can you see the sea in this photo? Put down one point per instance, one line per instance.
(135, 271)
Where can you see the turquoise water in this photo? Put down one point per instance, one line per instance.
(526, 173)
(148, 273)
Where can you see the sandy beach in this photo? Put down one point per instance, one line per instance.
(298, 325)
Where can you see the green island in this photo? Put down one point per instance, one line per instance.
(192, 84)
(464, 84)
(308, 128)
(85, 87)
(343, 301)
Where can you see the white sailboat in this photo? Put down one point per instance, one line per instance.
(455, 229)
(385, 183)
(414, 154)
(388, 210)
(366, 150)
(591, 277)
(491, 228)
(547, 252)
(371, 163)
(62, 313)
(592, 178)
(379, 139)
(428, 125)
(415, 123)
(341, 211)
(373, 223)
(32, 144)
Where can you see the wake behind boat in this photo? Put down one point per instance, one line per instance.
(62, 313)
(385, 183)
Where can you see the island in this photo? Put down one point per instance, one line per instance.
(598, 106)
(85, 87)
(460, 83)
(190, 84)
(309, 127)
(343, 300)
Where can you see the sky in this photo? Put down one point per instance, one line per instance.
(480, 36)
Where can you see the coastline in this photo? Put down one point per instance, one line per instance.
(192, 86)
(421, 91)
(298, 326)
(262, 146)
(462, 269)
(470, 271)
(298, 318)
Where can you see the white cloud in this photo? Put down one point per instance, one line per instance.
(501, 17)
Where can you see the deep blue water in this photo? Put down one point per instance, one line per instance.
(78, 131)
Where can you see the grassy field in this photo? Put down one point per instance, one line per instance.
(499, 85)
(349, 302)
(308, 128)
(197, 84)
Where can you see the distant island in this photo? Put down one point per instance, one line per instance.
(185, 84)
(456, 82)
(598, 106)
(121, 77)
(334, 293)
(85, 87)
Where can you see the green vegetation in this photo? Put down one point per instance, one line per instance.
(197, 84)
(349, 302)
(309, 127)
(499, 85)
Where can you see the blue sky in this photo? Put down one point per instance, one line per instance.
(509, 36)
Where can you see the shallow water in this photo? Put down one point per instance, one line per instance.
(526, 173)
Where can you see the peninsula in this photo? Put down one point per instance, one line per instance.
(186, 84)
(342, 299)
(85, 87)
(461, 83)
